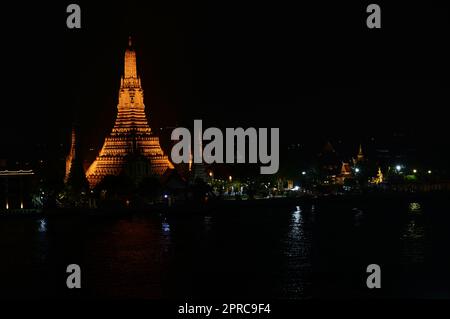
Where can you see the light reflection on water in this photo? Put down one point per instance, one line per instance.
(297, 251)
(297, 215)
(42, 242)
(264, 250)
(42, 228)
(165, 227)
(165, 236)
(414, 236)
(415, 207)
(126, 257)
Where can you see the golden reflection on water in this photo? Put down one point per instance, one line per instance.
(415, 207)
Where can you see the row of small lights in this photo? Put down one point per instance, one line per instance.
(357, 170)
(398, 168)
(230, 178)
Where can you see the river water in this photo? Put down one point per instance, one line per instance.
(273, 249)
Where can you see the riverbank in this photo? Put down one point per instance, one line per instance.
(370, 201)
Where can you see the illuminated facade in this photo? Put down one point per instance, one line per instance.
(380, 177)
(131, 136)
(346, 172)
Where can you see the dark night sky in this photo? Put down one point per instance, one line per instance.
(315, 71)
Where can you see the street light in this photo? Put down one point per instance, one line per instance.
(303, 173)
(357, 170)
(429, 172)
(398, 168)
(414, 171)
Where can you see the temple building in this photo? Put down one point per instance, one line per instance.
(379, 178)
(16, 189)
(75, 176)
(360, 156)
(131, 148)
(71, 156)
(345, 173)
(197, 171)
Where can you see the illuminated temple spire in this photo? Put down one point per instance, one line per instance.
(75, 175)
(130, 62)
(131, 134)
(360, 156)
(71, 156)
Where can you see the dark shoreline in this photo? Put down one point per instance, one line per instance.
(368, 201)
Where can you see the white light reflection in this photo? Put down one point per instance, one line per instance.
(296, 214)
(42, 228)
(165, 227)
(297, 251)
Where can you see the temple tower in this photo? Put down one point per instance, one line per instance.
(131, 135)
(360, 156)
(75, 177)
(71, 156)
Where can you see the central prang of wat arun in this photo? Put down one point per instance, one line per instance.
(131, 137)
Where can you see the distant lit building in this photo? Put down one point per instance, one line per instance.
(16, 189)
(345, 173)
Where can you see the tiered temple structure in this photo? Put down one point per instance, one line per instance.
(75, 178)
(131, 147)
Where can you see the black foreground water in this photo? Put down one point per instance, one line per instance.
(280, 249)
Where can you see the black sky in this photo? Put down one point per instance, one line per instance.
(315, 71)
